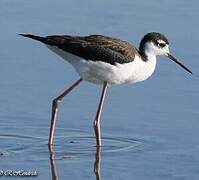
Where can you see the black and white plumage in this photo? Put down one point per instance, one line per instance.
(105, 60)
(100, 58)
(93, 47)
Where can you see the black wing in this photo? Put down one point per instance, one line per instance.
(93, 47)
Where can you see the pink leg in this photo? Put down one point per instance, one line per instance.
(96, 122)
(55, 110)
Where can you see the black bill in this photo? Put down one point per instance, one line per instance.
(179, 63)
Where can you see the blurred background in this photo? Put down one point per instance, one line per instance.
(150, 129)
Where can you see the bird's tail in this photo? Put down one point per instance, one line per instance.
(38, 38)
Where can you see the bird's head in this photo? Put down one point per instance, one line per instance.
(154, 44)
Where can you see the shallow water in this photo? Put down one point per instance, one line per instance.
(150, 130)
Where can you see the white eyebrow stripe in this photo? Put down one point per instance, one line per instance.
(160, 41)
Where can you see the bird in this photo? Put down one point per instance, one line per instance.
(105, 61)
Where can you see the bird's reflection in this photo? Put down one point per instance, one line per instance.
(97, 162)
(53, 163)
(96, 165)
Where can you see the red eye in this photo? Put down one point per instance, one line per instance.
(161, 45)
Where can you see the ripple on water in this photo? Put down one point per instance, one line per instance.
(65, 146)
(81, 146)
(15, 143)
(87, 144)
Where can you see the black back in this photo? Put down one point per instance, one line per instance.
(93, 47)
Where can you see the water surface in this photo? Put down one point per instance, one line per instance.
(150, 129)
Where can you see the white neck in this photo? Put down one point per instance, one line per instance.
(150, 56)
(147, 67)
(149, 51)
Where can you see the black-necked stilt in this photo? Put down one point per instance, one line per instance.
(107, 61)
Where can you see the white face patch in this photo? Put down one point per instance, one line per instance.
(152, 49)
(166, 49)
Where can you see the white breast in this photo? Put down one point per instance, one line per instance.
(98, 72)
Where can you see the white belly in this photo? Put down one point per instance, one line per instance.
(99, 72)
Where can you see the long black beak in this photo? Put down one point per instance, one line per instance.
(178, 62)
